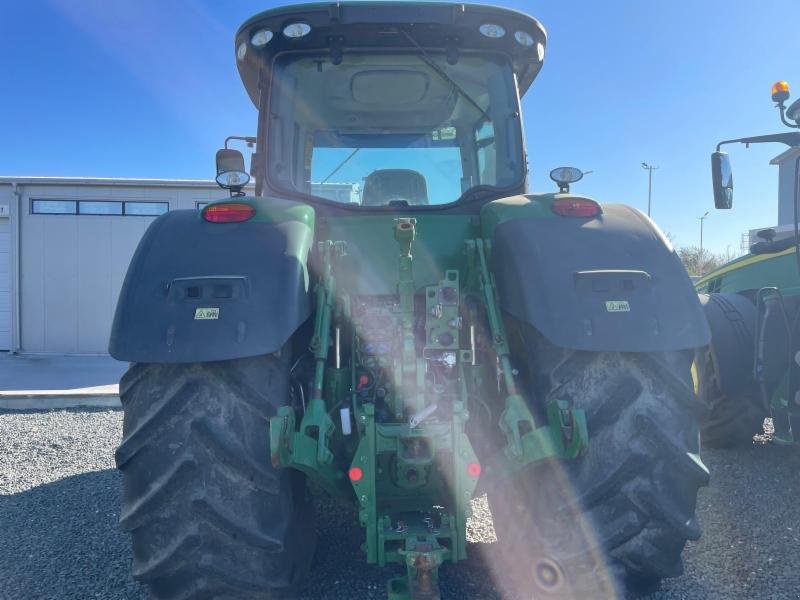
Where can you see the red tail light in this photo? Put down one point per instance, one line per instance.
(234, 212)
(474, 469)
(576, 207)
(355, 474)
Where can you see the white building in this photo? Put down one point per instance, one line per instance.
(65, 245)
(787, 176)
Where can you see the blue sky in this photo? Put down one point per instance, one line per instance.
(149, 88)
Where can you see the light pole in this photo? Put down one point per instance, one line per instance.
(650, 169)
(703, 218)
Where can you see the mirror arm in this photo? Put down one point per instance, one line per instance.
(784, 120)
(790, 139)
(247, 139)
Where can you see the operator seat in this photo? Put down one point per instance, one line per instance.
(386, 185)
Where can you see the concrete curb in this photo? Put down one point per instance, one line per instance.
(44, 402)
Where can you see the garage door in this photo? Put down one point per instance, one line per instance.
(76, 242)
(5, 283)
(74, 256)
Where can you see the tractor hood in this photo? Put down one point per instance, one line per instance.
(393, 26)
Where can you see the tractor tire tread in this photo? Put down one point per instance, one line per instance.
(208, 514)
(632, 498)
(730, 420)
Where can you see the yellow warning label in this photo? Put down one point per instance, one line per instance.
(206, 313)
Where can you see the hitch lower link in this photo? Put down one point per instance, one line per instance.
(566, 434)
(308, 448)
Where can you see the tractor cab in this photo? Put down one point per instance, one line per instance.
(413, 105)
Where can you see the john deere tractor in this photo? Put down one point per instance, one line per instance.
(440, 334)
(751, 369)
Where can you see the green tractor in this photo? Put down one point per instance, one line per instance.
(751, 369)
(434, 333)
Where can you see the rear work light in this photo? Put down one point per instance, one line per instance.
(234, 212)
(491, 30)
(297, 30)
(576, 207)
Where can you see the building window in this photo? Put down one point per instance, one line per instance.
(146, 209)
(54, 207)
(93, 207)
(99, 207)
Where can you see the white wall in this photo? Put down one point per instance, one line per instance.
(786, 183)
(5, 273)
(72, 266)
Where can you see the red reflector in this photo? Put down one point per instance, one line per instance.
(474, 469)
(576, 207)
(228, 213)
(355, 473)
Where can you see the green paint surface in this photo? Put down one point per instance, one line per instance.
(779, 270)
(526, 206)
(373, 252)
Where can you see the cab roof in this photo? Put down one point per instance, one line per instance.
(437, 26)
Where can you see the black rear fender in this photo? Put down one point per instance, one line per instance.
(198, 291)
(608, 283)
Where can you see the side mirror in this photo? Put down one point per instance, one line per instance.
(722, 179)
(230, 170)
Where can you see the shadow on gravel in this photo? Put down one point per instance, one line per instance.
(61, 540)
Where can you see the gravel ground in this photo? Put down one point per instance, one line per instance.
(60, 498)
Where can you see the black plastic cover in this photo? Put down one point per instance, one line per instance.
(610, 282)
(732, 319)
(773, 246)
(776, 315)
(184, 268)
(348, 26)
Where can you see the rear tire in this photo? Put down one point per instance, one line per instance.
(724, 373)
(208, 514)
(616, 519)
(730, 420)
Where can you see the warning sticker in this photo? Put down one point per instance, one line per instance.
(206, 313)
(618, 306)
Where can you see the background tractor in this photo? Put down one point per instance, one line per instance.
(439, 334)
(750, 369)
